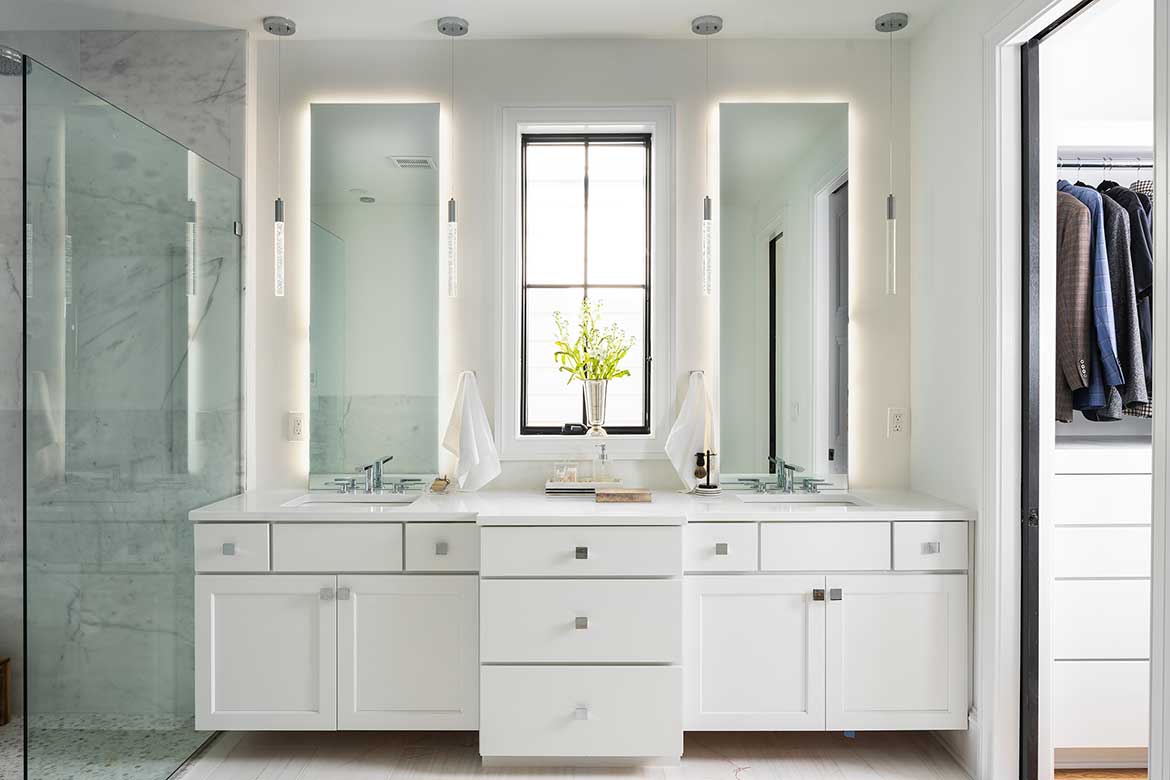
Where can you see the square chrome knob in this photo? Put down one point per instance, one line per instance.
(581, 553)
(229, 548)
(581, 623)
(441, 548)
(721, 548)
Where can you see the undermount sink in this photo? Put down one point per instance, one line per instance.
(820, 499)
(373, 499)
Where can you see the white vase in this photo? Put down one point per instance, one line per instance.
(595, 391)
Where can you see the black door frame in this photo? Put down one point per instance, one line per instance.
(1033, 176)
(773, 419)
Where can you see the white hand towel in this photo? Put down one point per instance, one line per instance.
(469, 437)
(691, 432)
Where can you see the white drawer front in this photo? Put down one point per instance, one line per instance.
(581, 551)
(594, 711)
(1099, 499)
(337, 547)
(231, 547)
(1101, 619)
(1101, 704)
(581, 621)
(825, 546)
(1102, 552)
(442, 547)
(721, 547)
(930, 546)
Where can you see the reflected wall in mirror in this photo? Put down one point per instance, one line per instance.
(784, 287)
(374, 257)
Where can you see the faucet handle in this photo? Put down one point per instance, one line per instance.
(794, 468)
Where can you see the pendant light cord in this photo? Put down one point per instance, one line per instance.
(707, 115)
(891, 138)
(279, 168)
(451, 175)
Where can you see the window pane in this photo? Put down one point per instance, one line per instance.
(617, 214)
(626, 308)
(551, 400)
(555, 204)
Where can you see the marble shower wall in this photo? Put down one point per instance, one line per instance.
(110, 564)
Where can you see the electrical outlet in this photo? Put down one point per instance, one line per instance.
(897, 421)
(296, 426)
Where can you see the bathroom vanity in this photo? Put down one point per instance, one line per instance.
(567, 630)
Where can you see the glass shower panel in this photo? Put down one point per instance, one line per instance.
(133, 339)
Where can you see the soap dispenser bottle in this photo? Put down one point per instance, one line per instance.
(601, 465)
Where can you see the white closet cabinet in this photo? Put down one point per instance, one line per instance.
(265, 652)
(755, 653)
(896, 651)
(408, 655)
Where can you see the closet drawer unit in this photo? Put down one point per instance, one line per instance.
(1102, 552)
(1102, 499)
(231, 547)
(1101, 619)
(581, 551)
(930, 546)
(828, 546)
(442, 547)
(721, 547)
(1101, 704)
(588, 711)
(337, 547)
(581, 621)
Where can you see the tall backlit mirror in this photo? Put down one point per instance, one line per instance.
(373, 324)
(784, 287)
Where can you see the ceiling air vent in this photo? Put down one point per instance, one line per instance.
(413, 163)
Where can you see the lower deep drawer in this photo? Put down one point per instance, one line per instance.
(567, 711)
(1101, 704)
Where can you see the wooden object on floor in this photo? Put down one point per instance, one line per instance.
(5, 691)
(1102, 774)
(623, 496)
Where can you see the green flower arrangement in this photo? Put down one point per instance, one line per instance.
(597, 351)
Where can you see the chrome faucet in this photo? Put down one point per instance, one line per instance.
(373, 472)
(785, 474)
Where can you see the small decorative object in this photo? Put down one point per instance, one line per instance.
(704, 463)
(565, 471)
(622, 496)
(440, 484)
(594, 357)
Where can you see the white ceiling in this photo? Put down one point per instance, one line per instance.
(352, 144)
(415, 19)
(758, 142)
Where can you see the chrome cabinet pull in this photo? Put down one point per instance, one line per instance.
(931, 548)
(343, 594)
(581, 553)
(818, 594)
(327, 594)
(834, 594)
(581, 623)
(721, 548)
(581, 713)
(441, 548)
(229, 548)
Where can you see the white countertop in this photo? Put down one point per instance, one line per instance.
(535, 508)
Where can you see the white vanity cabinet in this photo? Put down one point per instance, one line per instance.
(347, 642)
(860, 643)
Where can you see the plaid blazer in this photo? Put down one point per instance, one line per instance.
(1074, 319)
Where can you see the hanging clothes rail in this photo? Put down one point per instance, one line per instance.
(1105, 163)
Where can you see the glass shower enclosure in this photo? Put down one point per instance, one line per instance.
(132, 314)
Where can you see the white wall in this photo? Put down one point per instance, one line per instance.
(495, 74)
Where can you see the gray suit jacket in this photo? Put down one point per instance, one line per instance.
(1074, 310)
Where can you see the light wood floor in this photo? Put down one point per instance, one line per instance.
(455, 756)
(1101, 774)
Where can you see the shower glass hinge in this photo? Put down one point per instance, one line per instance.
(237, 228)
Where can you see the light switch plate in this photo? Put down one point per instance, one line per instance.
(296, 426)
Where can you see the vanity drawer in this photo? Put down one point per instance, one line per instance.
(337, 547)
(231, 547)
(581, 621)
(827, 546)
(1101, 704)
(1102, 552)
(442, 547)
(581, 551)
(594, 711)
(930, 546)
(721, 547)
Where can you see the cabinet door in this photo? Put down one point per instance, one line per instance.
(754, 653)
(896, 654)
(265, 652)
(408, 652)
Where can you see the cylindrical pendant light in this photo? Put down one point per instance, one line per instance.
(707, 26)
(453, 27)
(281, 27)
(891, 23)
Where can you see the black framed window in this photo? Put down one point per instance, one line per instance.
(585, 233)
